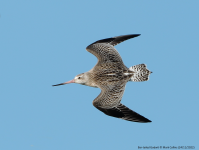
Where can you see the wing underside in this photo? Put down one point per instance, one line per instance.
(109, 103)
(123, 112)
(110, 63)
(106, 53)
(117, 39)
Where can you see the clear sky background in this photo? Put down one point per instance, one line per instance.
(43, 43)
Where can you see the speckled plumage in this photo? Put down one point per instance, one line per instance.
(111, 75)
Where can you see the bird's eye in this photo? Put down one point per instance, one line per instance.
(79, 77)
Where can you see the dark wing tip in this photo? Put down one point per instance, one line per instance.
(117, 39)
(131, 115)
(122, 38)
(125, 113)
(144, 120)
(127, 36)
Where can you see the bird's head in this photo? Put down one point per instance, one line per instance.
(80, 79)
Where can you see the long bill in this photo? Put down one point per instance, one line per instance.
(71, 81)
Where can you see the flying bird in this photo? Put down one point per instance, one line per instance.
(111, 75)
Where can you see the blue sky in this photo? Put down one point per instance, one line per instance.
(43, 43)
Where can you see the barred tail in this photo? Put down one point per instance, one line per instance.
(141, 73)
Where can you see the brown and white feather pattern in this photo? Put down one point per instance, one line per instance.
(111, 75)
(141, 73)
(107, 56)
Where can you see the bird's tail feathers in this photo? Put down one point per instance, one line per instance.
(141, 73)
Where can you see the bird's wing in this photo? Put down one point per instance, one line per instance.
(106, 53)
(109, 103)
(117, 39)
(123, 112)
(110, 95)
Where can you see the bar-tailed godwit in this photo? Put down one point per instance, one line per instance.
(111, 75)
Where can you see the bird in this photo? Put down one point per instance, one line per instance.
(111, 75)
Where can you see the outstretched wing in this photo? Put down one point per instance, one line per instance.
(109, 103)
(106, 53)
(123, 112)
(117, 39)
(110, 95)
